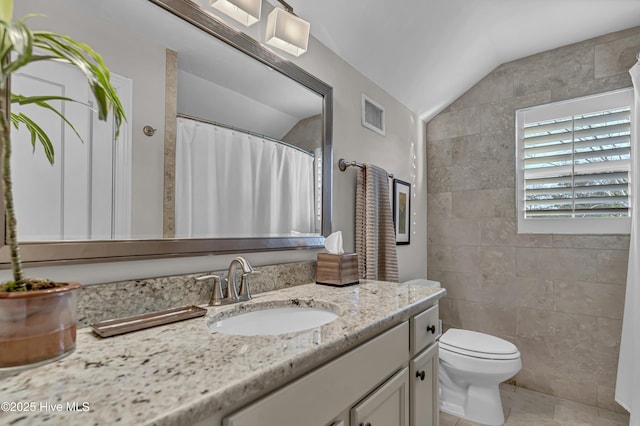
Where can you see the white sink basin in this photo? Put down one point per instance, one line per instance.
(267, 319)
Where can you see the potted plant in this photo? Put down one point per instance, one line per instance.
(37, 316)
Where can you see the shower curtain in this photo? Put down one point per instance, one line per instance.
(232, 184)
(628, 379)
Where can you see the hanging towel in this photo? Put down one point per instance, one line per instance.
(628, 380)
(375, 236)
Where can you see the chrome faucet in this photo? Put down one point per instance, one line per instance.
(242, 292)
(232, 293)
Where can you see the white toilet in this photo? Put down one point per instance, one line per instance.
(472, 365)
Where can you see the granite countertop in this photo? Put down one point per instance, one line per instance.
(180, 373)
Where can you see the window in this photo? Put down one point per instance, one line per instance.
(573, 165)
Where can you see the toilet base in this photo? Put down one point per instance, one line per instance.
(479, 404)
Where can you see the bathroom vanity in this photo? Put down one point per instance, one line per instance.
(376, 364)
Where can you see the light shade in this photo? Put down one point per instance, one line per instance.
(247, 12)
(287, 32)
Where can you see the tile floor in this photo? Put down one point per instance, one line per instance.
(523, 407)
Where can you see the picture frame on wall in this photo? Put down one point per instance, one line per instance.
(402, 211)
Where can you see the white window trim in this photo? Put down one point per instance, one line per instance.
(608, 100)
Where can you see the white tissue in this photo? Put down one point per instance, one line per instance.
(333, 243)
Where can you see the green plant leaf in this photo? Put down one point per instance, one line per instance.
(91, 64)
(40, 101)
(36, 134)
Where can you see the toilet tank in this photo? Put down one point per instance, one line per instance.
(423, 282)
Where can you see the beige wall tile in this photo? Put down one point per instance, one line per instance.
(459, 285)
(602, 300)
(504, 232)
(617, 242)
(557, 327)
(483, 203)
(586, 88)
(454, 259)
(454, 124)
(510, 290)
(555, 68)
(557, 264)
(439, 179)
(496, 116)
(577, 364)
(446, 312)
(608, 335)
(439, 153)
(612, 266)
(486, 317)
(459, 232)
(498, 260)
(495, 86)
(617, 56)
(537, 360)
(439, 206)
(491, 146)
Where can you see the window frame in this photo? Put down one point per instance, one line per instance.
(555, 110)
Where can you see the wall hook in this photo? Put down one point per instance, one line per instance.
(148, 130)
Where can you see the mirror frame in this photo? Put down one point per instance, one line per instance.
(67, 252)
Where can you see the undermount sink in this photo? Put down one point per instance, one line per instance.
(272, 318)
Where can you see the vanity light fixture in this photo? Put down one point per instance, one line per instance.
(286, 31)
(247, 12)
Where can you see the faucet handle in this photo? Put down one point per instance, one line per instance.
(216, 295)
(244, 292)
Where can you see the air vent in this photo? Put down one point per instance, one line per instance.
(372, 115)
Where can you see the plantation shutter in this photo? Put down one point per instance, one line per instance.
(578, 166)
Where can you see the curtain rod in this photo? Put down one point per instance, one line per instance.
(248, 132)
(343, 164)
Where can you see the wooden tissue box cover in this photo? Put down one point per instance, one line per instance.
(337, 269)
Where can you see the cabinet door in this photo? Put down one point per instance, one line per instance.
(424, 404)
(386, 406)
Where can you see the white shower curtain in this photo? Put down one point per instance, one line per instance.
(628, 380)
(231, 184)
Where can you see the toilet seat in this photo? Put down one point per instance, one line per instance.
(478, 345)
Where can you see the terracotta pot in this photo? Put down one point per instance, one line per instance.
(37, 326)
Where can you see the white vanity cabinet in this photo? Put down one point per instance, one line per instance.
(374, 384)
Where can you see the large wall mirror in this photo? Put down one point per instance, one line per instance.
(227, 146)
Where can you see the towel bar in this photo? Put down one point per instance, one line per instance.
(343, 164)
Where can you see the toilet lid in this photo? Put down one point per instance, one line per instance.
(478, 345)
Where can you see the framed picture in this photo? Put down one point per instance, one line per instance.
(402, 210)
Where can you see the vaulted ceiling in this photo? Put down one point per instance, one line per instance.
(426, 53)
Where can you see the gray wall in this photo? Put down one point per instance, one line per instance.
(559, 298)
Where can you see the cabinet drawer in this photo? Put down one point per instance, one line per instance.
(425, 329)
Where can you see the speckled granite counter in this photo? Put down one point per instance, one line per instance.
(181, 373)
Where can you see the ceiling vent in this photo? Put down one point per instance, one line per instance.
(372, 115)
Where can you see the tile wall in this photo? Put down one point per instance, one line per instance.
(559, 298)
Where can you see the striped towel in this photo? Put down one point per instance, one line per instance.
(375, 235)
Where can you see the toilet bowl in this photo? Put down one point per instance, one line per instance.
(472, 365)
